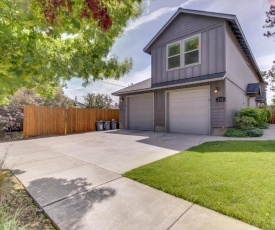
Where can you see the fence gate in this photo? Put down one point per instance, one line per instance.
(46, 121)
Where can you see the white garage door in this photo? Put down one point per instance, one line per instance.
(140, 112)
(189, 110)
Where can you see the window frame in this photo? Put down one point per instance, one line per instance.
(167, 55)
(182, 52)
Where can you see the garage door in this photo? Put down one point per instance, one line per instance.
(140, 112)
(189, 110)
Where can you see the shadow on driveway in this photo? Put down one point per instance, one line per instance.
(71, 199)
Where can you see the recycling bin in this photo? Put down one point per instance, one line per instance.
(113, 124)
(99, 126)
(106, 125)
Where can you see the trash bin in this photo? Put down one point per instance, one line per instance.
(113, 124)
(106, 125)
(99, 126)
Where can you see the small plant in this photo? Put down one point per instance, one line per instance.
(263, 126)
(254, 132)
(233, 132)
(244, 122)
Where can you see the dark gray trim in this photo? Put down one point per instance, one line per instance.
(253, 89)
(189, 80)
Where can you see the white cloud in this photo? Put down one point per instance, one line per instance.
(265, 62)
(154, 15)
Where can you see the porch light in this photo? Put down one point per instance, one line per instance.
(216, 90)
(122, 99)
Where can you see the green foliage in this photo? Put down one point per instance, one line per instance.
(232, 177)
(233, 132)
(256, 113)
(263, 126)
(268, 114)
(98, 101)
(244, 122)
(38, 55)
(254, 132)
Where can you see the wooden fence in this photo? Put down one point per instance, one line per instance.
(272, 121)
(45, 121)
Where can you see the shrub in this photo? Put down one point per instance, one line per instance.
(233, 132)
(263, 126)
(256, 113)
(244, 122)
(12, 119)
(254, 132)
(268, 115)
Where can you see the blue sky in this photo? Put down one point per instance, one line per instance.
(251, 15)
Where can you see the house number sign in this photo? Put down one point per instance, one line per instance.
(220, 99)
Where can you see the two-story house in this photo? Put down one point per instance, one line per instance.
(203, 73)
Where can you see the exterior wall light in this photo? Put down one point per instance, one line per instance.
(216, 90)
(122, 99)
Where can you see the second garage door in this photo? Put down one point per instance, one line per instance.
(140, 112)
(188, 111)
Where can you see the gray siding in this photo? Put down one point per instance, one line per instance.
(235, 100)
(238, 69)
(212, 47)
(238, 73)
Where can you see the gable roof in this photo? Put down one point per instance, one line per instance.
(146, 84)
(233, 23)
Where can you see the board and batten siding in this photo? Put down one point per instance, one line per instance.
(212, 47)
(217, 113)
(239, 74)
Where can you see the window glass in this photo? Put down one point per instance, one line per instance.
(174, 62)
(192, 57)
(174, 50)
(174, 56)
(191, 44)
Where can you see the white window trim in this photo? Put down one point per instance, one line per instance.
(182, 53)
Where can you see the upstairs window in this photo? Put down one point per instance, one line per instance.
(191, 50)
(184, 53)
(174, 56)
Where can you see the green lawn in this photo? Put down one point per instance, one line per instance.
(236, 178)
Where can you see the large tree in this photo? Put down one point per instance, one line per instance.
(98, 101)
(44, 42)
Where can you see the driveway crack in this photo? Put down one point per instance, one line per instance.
(180, 217)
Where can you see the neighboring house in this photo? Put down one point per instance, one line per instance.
(203, 73)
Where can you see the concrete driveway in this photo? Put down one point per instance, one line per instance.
(77, 180)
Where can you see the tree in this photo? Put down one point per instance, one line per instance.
(270, 20)
(45, 42)
(99, 101)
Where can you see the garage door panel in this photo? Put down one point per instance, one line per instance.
(188, 111)
(140, 112)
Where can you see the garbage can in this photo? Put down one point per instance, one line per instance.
(113, 124)
(106, 125)
(99, 126)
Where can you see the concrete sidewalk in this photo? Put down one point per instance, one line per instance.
(77, 180)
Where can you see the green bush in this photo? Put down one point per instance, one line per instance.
(256, 113)
(244, 122)
(233, 132)
(254, 132)
(263, 126)
(268, 114)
